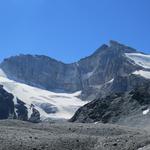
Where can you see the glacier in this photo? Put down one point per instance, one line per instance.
(140, 59)
(66, 103)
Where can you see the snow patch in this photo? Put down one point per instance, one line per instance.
(110, 81)
(142, 60)
(145, 74)
(145, 112)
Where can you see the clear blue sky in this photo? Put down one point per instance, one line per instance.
(71, 29)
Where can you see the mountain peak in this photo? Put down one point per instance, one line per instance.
(113, 43)
(115, 47)
(121, 47)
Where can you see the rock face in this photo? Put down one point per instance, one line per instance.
(92, 75)
(21, 110)
(9, 110)
(42, 71)
(6, 104)
(35, 116)
(117, 108)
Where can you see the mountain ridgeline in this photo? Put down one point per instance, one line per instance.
(115, 78)
(106, 70)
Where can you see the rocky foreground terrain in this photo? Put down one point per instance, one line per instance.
(18, 135)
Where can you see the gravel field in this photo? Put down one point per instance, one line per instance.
(17, 135)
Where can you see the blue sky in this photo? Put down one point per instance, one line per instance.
(71, 29)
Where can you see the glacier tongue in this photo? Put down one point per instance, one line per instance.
(140, 59)
(65, 103)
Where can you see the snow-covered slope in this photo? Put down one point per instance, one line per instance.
(145, 74)
(140, 59)
(64, 104)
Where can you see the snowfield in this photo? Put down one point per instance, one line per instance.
(66, 104)
(145, 74)
(142, 60)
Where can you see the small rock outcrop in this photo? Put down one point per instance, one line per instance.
(35, 116)
(47, 107)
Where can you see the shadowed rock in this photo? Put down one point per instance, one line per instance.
(128, 108)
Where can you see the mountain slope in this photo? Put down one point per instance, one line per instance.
(129, 108)
(112, 68)
(42, 71)
(140, 59)
(91, 75)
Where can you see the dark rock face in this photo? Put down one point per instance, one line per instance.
(35, 116)
(89, 74)
(22, 112)
(115, 106)
(6, 104)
